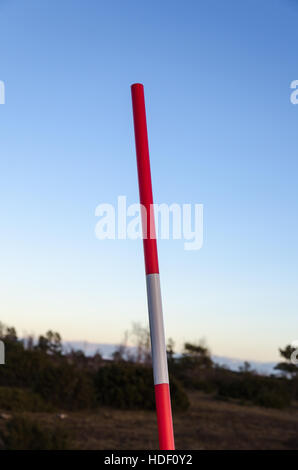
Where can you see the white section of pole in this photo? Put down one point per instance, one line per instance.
(158, 347)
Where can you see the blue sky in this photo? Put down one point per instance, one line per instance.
(222, 132)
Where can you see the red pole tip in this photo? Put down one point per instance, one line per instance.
(137, 85)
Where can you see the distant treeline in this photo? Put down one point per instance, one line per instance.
(40, 376)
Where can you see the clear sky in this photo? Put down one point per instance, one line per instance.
(222, 132)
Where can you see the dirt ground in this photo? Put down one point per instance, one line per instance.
(209, 424)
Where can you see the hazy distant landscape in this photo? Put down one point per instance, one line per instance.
(107, 350)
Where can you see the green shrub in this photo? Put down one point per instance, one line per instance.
(194, 374)
(125, 386)
(179, 398)
(65, 386)
(25, 434)
(59, 383)
(269, 392)
(18, 399)
(273, 398)
(130, 386)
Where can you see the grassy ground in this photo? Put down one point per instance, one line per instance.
(209, 424)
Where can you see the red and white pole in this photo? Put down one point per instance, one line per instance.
(159, 355)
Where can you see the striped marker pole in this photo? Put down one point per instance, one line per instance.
(159, 355)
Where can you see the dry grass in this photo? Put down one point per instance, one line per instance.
(209, 424)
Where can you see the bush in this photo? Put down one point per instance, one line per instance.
(51, 377)
(24, 434)
(130, 386)
(194, 374)
(65, 386)
(272, 399)
(17, 399)
(125, 386)
(179, 398)
(269, 392)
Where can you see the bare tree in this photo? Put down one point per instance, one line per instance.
(122, 352)
(140, 337)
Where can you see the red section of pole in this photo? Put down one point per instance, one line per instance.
(144, 175)
(162, 391)
(164, 417)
